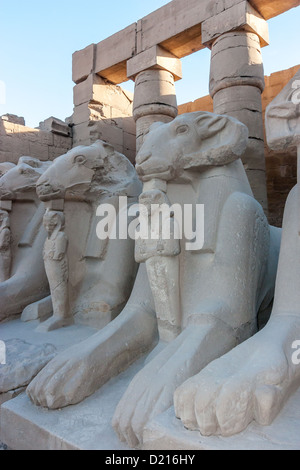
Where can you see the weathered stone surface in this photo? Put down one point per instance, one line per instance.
(56, 126)
(27, 282)
(103, 111)
(282, 120)
(23, 362)
(281, 167)
(83, 63)
(241, 16)
(6, 206)
(17, 140)
(105, 59)
(154, 101)
(81, 267)
(36, 342)
(258, 377)
(40, 310)
(236, 83)
(176, 27)
(201, 104)
(210, 147)
(155, 57)
(236, 60)
(56, 262)
(86, 426)
(168, 433)
(96, 89)
(271, 8)
(109, 130)
(5, 167)
(26, 427)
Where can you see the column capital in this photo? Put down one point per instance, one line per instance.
(155, 57)
(240, 17)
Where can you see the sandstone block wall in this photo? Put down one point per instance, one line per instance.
(281, 168)
(103, 111)
(16, 139)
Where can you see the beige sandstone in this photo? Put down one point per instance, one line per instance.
(17, 140)
(154, 100)
(56, 126)
(57, 269)
(155, 57)
(83, 63)
(239, 17)
(196, 306)
(176, 27)
(105, 60)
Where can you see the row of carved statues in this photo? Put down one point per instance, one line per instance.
(218, 322)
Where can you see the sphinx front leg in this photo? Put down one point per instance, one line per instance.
(82, 369)
(250, 383)
(151, 391)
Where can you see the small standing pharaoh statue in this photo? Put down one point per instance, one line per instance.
(160, 250)
(5, 246)
(57, 270)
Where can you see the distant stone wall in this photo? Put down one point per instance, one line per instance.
(281, 168)
(17, 140)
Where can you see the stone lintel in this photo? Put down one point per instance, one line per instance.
(156, 57)
(240, 17)
(177, 28)
(112, 53)
(83, 63)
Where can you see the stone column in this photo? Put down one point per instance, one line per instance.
(237, 81)
(154, 72)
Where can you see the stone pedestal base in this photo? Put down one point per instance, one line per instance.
(87, 426)
(168, 433)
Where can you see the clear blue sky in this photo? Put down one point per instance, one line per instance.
(38, 39)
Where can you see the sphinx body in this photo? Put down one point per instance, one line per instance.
(25, 278)
(222, 284)
(254, 380)
(94, 276)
